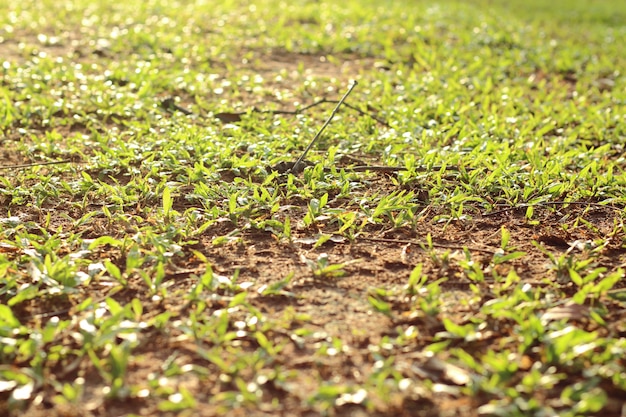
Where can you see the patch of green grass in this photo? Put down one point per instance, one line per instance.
(163, 261)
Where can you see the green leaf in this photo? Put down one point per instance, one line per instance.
(323, 201)
(115, 308)
(321, 240)
(105, 240)
(113, 270)
(506, 235)
(28, 293)
(7, 319)
(416, 278)
(575, 277)
(380, 305)
(167, 202)
(238, 299)
(609, 282)
(500, 259)
(453, 328)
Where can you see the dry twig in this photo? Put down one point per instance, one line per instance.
(36, 164)
(296, 167)
(424, 244)
(550, 203)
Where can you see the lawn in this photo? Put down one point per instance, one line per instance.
(454, 242)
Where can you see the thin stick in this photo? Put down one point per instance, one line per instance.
(169, 105)
(434, 245)
(36, 164)
(317, 103)
(383, 168)
(293, 112)
(362, 113)
(550, 203)
(296, 166)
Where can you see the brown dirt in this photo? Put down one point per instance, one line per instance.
(337, 308)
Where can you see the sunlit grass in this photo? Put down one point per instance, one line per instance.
(506, 121)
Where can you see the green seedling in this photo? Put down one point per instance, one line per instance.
(323, 268)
